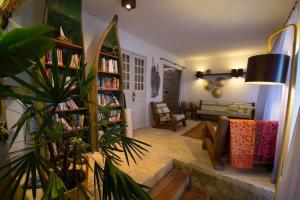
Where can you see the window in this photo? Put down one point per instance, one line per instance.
(126, 71)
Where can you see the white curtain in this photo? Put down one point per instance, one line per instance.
(273, 99)
(290, 184)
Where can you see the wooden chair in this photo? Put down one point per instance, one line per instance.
(215, 139)
(164, 118)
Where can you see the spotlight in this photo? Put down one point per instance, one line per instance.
(240, 72)
(199, 75)
(129, 4)
(234, 73)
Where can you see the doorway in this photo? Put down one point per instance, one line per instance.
(171, 87)
(134, 73)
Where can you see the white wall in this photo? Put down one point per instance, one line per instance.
(236, 90)
(93, 29)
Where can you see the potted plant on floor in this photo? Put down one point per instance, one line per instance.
(50, 158)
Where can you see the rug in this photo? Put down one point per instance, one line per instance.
(197, 132)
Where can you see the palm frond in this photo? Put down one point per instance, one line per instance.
(118, 185)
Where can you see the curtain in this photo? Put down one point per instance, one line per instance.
(272, 101)
(290, 184)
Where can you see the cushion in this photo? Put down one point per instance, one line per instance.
(179, 117)
(165, 109)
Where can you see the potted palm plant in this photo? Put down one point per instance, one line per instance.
(52, 159)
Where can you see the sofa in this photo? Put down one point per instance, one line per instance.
(212, 110)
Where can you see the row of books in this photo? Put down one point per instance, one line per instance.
(59, 54)
(114, 116)
(75, 59)
(67, 105)
(107, 99)
(76, 122)
(110, 66)
(107, 83)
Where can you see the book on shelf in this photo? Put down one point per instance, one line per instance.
(107, 83)
(77, 122)
(67, 105)
(107, 99)
(114, 116)
(109, 65)
(59, 53)
(75, 59)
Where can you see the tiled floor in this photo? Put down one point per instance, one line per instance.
(167, 145)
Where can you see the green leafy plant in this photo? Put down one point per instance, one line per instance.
(52, 157)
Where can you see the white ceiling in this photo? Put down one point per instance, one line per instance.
(190, 28)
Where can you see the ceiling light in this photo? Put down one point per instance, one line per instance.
(129, 4)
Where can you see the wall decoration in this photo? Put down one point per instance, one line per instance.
(217, 93)
(220, 82)
(208, 85)
(155, 79)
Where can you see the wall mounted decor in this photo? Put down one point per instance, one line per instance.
(155, 79)
(208, 85)
(217, 93)
(220, 82)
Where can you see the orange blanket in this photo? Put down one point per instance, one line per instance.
(242, 140)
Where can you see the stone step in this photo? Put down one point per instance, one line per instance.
(192, 193)
(170, 187)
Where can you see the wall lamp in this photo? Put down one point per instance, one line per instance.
(129, 4)
(235, 73)
(199, 75)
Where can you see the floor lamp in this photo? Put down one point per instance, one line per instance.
(272, 69)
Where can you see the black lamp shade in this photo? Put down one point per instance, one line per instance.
(267, 69)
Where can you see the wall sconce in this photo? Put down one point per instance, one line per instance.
(129, 4)
(235, 73)
(199, 75)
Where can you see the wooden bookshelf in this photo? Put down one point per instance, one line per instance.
(109, 55)
(71, 110)
(109, 73)
(61, 67)
(108, 51)
(66, 45)
(60, 14)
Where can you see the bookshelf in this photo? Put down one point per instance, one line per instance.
(107, 88)
(66, 15)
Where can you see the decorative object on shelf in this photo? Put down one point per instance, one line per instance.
(208, 85)
(129, 4)
(272, 69)
(208, 71)
(7, 7)
(62, 35)
(155, 79)
(217, 93)
(220, 82)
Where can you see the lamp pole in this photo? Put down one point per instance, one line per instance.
(290, 100)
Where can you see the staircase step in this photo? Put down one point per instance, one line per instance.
(171, 187)
(192, 193)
